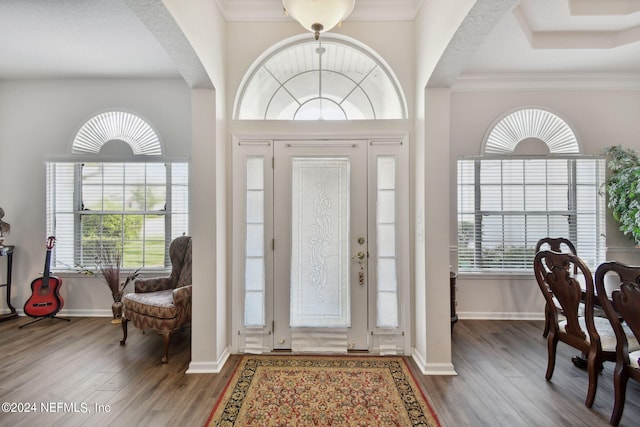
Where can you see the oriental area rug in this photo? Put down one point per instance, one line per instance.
(278, 390)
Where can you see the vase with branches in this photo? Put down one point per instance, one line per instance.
(108, 264)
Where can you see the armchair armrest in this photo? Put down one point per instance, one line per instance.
(152, 284)
(182, 296)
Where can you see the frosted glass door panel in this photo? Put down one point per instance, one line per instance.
(254, 275)
(320, 225)
(386, 226)
(320, 242)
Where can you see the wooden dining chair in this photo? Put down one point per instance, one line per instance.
(556, 244)
(622, 308)
(557, 276)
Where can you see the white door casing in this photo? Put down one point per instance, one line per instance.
(320, 190)
(349, 226)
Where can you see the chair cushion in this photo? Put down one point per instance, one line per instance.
(597, 311)
(607, 336)
(155, 304)
(634, 359)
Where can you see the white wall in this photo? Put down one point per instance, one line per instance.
(205, 28)
(435, 25)
(38, 121)
(600, 118)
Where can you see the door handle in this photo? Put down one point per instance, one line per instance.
(359, 255)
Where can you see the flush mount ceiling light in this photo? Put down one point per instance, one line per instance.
(318, 16)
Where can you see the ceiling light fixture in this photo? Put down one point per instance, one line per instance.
(318, 16)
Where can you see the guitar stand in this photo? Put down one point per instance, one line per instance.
(53, 316)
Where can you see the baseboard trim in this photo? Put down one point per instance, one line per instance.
(209, 367)
(432, 368)
(439, 369)
(73, 313)
(488, 315)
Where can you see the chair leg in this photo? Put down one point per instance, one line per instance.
(545, 333)
(594, 366)
(166, 338)
(124, 330)
(620, 379)
(552, 344)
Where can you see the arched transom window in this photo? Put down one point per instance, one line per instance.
(117, 126)
(531, 123)
(329, 79)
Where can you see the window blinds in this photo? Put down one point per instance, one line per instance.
(134, 208)
(505, 205)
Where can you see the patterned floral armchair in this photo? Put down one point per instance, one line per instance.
(162, 304)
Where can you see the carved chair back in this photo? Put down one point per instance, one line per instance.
(622, 307)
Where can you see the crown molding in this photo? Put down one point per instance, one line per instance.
(385, 10)
(364, 10)
(603, 8)
(252, 10)
(547, 81)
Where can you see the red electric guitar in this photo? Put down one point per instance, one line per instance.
(45, 300)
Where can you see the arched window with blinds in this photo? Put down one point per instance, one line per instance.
(510, 197)
(131, 203)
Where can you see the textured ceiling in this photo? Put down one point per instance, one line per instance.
(68, 38)
(562, 37)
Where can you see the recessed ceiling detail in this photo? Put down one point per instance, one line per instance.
(604, 8)
(531, 123)
(118, 126)
(584, 24)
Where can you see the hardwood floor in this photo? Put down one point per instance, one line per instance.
(68, 368)
(501, 367)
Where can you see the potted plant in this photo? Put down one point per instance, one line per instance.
(623, 189)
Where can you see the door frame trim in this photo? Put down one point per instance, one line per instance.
(355, 152)
(405, 276)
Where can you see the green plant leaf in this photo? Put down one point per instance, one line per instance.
(623, 189)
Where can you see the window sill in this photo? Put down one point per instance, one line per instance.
(496, 275)
(123, 273)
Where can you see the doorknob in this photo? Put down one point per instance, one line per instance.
(359, 255)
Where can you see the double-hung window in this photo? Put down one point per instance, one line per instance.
(136, 208)
(505, 205)
(99, 206)
(507, 202)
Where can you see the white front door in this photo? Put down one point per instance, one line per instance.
(320, 256)
(321, 246)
